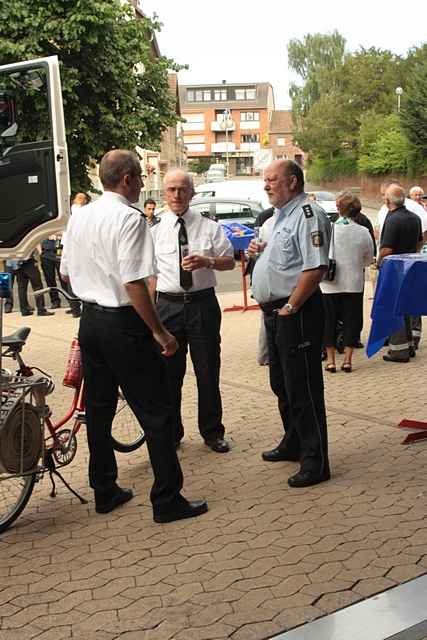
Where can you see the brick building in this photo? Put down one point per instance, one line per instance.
(227, 117)
(282, 139)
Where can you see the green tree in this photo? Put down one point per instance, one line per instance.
(115, 91)
(316, 59)
(414, 109)
(387, 150)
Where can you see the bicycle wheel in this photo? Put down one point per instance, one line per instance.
(14, 495)
(127, 433)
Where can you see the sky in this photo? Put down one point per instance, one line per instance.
(245, 41)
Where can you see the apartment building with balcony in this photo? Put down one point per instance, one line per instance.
(227, 122)
(281, 138)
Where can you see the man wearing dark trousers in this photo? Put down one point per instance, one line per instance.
(28, 271)
(285, 282)
(189, 247)
(108, 255)
(50, 262)
(401, 233)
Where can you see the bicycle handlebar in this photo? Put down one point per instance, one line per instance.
(66, 295)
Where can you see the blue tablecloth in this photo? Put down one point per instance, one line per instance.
(401, 291)
(239, 234)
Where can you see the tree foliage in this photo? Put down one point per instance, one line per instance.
(345, 109)
(102, 51)
(316, 59)
(386, 148)
(414, 110)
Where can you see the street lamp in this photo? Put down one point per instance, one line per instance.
(226, 124)
(399, 92)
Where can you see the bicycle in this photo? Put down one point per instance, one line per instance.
(31, 443)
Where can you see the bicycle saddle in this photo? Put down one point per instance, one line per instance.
(16, 339)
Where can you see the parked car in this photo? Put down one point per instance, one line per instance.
(235, 189)
(228, 210)
(326, 200)
(215, 173)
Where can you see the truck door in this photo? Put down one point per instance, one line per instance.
(34, 177)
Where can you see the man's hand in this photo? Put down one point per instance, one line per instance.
(194, 262)
(255, 248)
(283, 312)
(167, 341)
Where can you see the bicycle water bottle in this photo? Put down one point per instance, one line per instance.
(74, 372)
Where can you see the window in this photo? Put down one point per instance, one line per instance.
(199, 96)
(206, 96)
(281, 142)
(194, 122)
(245, 94)
(249, 116)
(190, 95)
(220, 94)
(193, 139)
(249, 137)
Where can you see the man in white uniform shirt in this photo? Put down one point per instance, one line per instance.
(108, 255)
(189, 247)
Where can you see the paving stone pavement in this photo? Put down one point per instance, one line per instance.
(265, 558)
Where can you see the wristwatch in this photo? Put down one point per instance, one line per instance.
(211, 264)
(289, 307)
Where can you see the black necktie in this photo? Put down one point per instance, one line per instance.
(185, 277)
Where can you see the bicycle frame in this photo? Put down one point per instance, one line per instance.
(76, 410)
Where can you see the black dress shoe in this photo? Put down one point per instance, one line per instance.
(45, 312)
(27, 312)
(358, 344)
(104, 503)
(219, 445)
(8, 309)
(184, 510)
(388, 358)
(76, 314)
(277, 455)
(308, 478)
(56, 304)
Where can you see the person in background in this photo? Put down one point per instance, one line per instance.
(409, 204)
(79, 200)
(349, 199)
(189, 248)
(402, 233)
(353, 250)
(417, 195)
(149, 209)
(27, 271)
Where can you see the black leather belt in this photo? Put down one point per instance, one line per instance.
(185, 298)
(275, 305)
(97, 307)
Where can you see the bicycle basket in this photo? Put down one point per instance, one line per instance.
(21, 439)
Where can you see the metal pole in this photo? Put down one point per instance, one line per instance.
(398, 103)
(226, 147)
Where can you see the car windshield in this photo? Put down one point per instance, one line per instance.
(324, 195)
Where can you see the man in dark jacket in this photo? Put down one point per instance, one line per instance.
(401, 233)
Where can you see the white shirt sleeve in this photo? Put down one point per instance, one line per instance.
(135, 250)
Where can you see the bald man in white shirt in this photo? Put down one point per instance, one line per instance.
(189, 248)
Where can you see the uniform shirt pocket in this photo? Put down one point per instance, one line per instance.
(165, 248)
